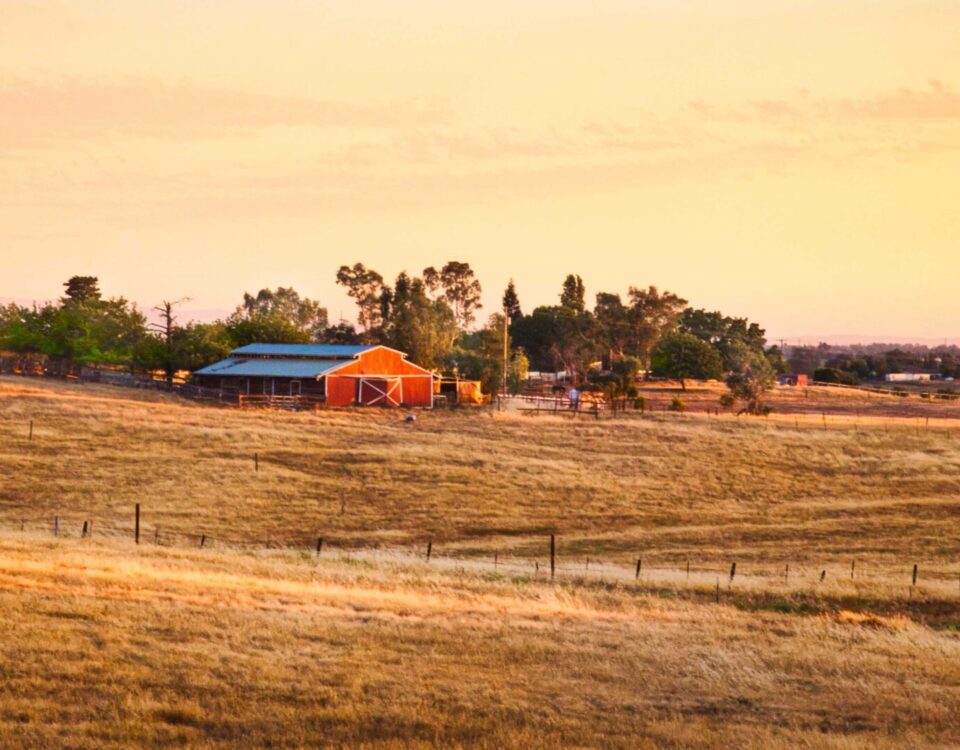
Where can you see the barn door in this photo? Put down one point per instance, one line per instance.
(380, 392)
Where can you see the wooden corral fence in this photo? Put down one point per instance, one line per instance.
(560, 405)
(288, 403)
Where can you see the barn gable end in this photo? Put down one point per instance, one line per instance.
(380, 376)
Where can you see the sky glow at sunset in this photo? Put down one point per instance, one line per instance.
(794, 162)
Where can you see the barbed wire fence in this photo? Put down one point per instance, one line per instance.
(715, 578)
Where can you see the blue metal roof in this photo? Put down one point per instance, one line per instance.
(271, 368)
(319, 351)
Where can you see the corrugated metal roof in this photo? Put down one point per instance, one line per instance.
(318, 351)
(271, 368)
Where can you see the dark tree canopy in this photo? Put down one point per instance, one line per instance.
(458, 285)
(511, 302)
(366, 288)
(573, 293)
(280, 315)
(653, 314)
(683, 356)
(82, 289)
(751, 378)
(727, 334)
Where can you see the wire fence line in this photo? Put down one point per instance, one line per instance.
(835, 577)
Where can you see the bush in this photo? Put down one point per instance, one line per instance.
(678, 405)
(727, 401)
(833, 375)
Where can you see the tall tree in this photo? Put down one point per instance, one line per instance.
(573, 294)
(727, 334)
(511, 302)
(280, 316)
(613, 319)
(459, 287)
(751, 378)
(81, 289)
(284, 305)
(366, 288)
(652, 316)
(683, 356)
(479, 355)
(559, 338)
(422, 327)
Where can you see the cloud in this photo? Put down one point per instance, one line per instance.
(34, 111)
(937, 102)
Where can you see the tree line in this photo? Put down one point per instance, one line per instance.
(852, 365)
(433, 317)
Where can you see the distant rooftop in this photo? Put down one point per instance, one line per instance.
(313, 351)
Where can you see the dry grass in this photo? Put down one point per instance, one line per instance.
(665, 487)
(108, 644)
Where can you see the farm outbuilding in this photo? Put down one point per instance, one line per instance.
(331, 374)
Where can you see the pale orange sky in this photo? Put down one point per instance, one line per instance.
(794, 162)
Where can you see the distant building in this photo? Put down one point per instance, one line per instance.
(908, 377)
(800, 380)
(331, 374)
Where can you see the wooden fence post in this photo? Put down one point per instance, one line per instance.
(718, 590)
(688, 571)
(853, 566)
(156, 535)
(636, 576)
(83, 534)
(553, 555)
(495, 560)
(203, 539)
(823, 574)
(914, 574)
(256, 462)
(786, 574)
(429, 549)
(30, 436)
(56, 525)
(136, 524)
(319, 545)
(733, 571)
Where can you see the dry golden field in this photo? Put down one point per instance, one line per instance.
(106, 643)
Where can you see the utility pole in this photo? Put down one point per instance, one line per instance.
(506, 349)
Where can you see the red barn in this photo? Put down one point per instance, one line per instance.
(329, 373)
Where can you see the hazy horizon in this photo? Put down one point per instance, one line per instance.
(794, 163)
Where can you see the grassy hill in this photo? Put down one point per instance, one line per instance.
(666, 486)
(254, 641)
